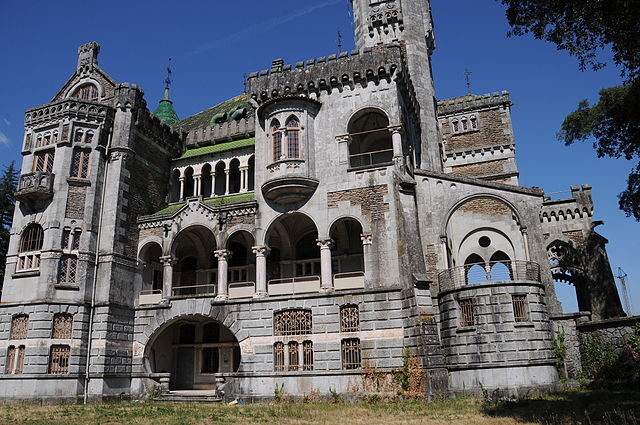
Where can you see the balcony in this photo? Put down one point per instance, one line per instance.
(488, 273)
(288, 182)
(294, 285)
(35, 186)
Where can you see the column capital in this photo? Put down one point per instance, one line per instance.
(261, 251)
(244, 168)
(366, 238)
(343, 138)
(393, 129)
(524, 230)
(325, 243)
(182, 178)
(443, 238)
(227, 171)
(223, 254)
(168, 260)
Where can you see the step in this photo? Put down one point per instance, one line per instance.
(189, 397)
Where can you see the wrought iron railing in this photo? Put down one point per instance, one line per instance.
(497, 271)
(365, 159)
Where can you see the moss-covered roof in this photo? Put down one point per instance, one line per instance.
(219, 147)
(203, 119)
(218, 201)
(166, 112)
(170, 209)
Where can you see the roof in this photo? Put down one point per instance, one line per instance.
(219, 147)
(166, 113)
(203, 119)
(218, 201)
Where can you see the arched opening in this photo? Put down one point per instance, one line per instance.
(242, 271)
(234, 176)
(569, 282)
(251, 176)
(500, 267)
(475, 271)
(206, 181)
(276, 140)
(221, 179)
(196, 269)
(86, 92)
(188, 183)
(293, 137)
(29, 249)
(152, 268)
(347, 254)
(174, 187)
(293, 266)
(371, 142)
(193, 350)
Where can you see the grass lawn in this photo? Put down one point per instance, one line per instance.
(573, 407)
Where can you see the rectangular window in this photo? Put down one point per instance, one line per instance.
(80, 163)
(293, 356)
(43, 161)
(293, 140)
(351, 356)
(278, 357)
(68, 269)
(19, 327)
(520, 308)
(62, 326)
(11, 356)
(59, 359)
(466, 313)
(277, 146)
(19, 360)
(210, 360)
(70, 240)
(307, 355)
(292, 322)
(349, 318)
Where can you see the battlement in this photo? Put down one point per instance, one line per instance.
(473, 102)
(325, 73)
(225, 130)
(580, 205)
(68, 108)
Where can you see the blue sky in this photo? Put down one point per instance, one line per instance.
(213, 43)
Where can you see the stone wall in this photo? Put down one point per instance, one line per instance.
(493, 130)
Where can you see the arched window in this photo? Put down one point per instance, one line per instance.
(474, 122)
(475, 271)
(251, 174)
(234, 176)
(370, 139)
(206, 181)
(456, 126)
(29, 250)
(500, 267)
(174, 194)
(465, 124)
(293, 138)
(188, 183)
(276, 137)
(220, 179)
(86, 92)
(77, 138)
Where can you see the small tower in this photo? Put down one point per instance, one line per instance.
(165, 110)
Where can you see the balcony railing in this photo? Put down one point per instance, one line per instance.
(150, 297)
(481, 273)
(200, 289)
(37, 185)
(366, 159)
(294, 285)
(351, 280)
(239, 290)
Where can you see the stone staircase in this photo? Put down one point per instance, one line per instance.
(190, 396)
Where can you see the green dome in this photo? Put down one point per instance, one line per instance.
(166, 113)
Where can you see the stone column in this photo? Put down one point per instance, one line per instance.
(445, 255)
(196, 184)
(167, 274)
(243, 179)
(223, 256)
(367, 240)
(326, 274)
(227, 172)
(213, 182)
(525, 239)
(261, 253)
(181, 188)
(396, 139)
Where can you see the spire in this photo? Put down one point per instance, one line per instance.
(165, 110)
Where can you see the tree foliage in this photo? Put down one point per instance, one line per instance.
(8, 185)
(585, 28)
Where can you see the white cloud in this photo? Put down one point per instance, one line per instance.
(4, 140)
(6, 122)
(264, 26)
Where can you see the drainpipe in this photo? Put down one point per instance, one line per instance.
(95, 270)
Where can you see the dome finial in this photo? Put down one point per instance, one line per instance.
(165, 110)
(167, 82)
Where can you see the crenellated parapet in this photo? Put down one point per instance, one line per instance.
(579, 206)
(222, 131)
(473, 103)
(85, 110)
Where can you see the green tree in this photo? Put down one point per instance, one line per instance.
(8, 185)
(585, 29)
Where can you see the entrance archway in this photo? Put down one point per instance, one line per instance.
(193, 349)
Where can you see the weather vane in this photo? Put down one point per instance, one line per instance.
(467, 75)
(168, 80)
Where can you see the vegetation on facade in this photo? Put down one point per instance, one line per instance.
(585, 28)
(8, 186)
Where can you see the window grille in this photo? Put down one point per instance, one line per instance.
(59, 359)
(62, 326)
(87, 92)
(278, 356)
(80, 163)
(349, 318)
(293, 138)
(520, 308)
(351, 356)
(43, 161)
(11, 355)
(292, 322)
(293, 356)
(68, 269)
(307, 355)
(466, 313)
(19, 327)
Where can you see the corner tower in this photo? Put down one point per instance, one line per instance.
(409, 23)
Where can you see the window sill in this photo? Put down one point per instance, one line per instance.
(26, 273)
(77, 181)
(466, 329)
(67, 286)
(381, 166)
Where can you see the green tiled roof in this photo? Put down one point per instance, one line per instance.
(230, 199)
(166, 113)
(219, 147)
(203, 119)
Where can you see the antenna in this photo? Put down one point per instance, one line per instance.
(467, 76)
(339, 41)
(244, 82)
(168, 80)
(628, 306)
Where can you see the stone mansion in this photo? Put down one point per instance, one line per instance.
(300, 235)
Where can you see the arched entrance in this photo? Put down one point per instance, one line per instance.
(193, 349)
(196, 269)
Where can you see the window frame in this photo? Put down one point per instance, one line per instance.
(30, 248)
(43, 161)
